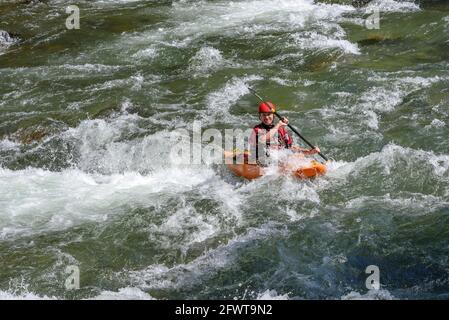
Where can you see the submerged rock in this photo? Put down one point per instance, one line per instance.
(374, 39)
(371, 39)
(321, 61)
(29, 135)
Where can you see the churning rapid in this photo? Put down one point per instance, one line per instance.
(85, 120)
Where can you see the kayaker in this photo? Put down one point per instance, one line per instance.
(266, 132)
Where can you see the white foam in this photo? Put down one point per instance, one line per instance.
(437, 123)
(134, 82)
(191, 226)
(409, 203)
(291, 191)
(388, 157)
(392, 6)
(446, 19)
(272, 295)
(384, 99)
(246, 19)
(114, 2)
(100, 146)
(148, 53)
(89, 68)
(36, 201)
(7, 145)
(313, 40)
(440, 163)
(207, 60)
(128, 293)
(31, 78)
(294, 215)
(372, 119)
(372, 294)
(186, 225)
(7, 295)
(231, 200)
(337, 133)
(282, 82)
(198, 270)
(219, 102)
(229, 17)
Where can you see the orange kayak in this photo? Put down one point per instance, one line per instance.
(253, 171)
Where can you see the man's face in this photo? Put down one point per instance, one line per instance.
(266, 118)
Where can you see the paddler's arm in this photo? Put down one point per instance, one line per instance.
(306, 151)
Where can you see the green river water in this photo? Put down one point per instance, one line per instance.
(85, 179)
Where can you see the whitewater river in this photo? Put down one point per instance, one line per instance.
(85, 180)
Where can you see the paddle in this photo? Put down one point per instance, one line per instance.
(291, 127)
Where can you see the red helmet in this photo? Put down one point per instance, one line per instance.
(264, 107)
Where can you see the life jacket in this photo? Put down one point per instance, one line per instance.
(284, 139)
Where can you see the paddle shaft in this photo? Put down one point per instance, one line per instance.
(290, 126)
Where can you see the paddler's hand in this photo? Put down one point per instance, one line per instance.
(314, 150)
(282, 123)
